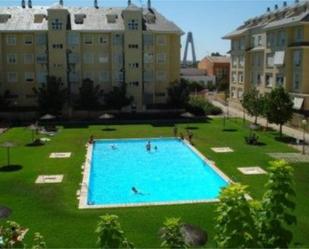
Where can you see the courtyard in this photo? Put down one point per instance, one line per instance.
(52, 209)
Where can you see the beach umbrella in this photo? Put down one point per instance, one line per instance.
(33, 129)
(47, 117)
(106, 116)
(8, 145)
(187, 115)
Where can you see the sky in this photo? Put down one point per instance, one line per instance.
(208, 20)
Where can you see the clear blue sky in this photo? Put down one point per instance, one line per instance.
(209, 20)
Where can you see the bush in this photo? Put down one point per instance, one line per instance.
(199, 106)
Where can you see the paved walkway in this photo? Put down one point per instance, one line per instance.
(289, 131)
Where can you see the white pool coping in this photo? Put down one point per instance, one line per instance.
(83, 197)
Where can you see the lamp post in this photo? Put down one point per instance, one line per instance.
(304, 124)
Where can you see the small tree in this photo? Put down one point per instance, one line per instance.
(171, 234)
(277, 207)
(118, 98)
(178, 93)
(279, 107)
(51, 96)
(253, 103)
(235, 223)
(110, 233)
(38, 241)
(89, 95)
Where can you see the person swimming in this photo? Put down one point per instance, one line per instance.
(113, 147)
(148, 146)
(135, 191)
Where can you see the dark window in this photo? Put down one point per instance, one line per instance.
(56, 25)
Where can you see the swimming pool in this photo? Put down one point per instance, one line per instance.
(172, 172)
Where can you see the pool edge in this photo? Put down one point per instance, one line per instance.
(83, 204)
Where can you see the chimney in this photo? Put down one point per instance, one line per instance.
(96, 5)
(61, 2)
(276, 7)
(285, 4)
(268, 9)
(129, 2)
(29, 4)
(149, 4)
(23, 4)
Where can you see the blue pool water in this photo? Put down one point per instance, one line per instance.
(173, 173)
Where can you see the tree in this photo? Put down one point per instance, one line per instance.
(89, 95)
(171, 234)
(277, 207)
(253, 103)
(178, 94)
(279, 107)
(110, 233)
(117, 98)
(235, 223)
(38, 241)
(51, 96)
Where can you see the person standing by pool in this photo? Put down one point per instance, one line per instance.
(148, 146)
(175, 130)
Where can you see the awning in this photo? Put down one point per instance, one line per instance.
(279, 58)
(298, 103)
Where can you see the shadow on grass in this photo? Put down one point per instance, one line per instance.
(257, 144)
(35, 144)
(285, 139)
(230, 130)
(10, 168)
(109, 129)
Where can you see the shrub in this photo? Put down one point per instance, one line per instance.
(199, 106)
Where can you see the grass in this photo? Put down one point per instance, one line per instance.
(52, 209)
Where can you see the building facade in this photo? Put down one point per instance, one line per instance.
(216, 66)
(111, 46)
(273, 50)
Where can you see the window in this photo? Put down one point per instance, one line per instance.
(234, 77)
(88, 39)
(41, 58)
(74, 58)
(161, 40)
(11, 59)
(148, 75)
(28, 58)
(133, 25)
(235, 45)
(148, 57)
(270, 60)
(270, 40)
(268, 80)
(88, 58)
(29, 76)
(161, 76)
(28, 39)
(259, 40)
(161, 58)
(279, 80)
(11, 40)
(259, 58)
(118, 58)
(41, 39)
(74, 77)
(103, 58)
(58, 46)
(41, 77)
(73, 38)
(240, 77)
(297, 58)
(234, 93)
(296, 80)
(118, 75)
(56, 24)
(117, 39)
(160, 94)
(281, 39)
(258, 78)
(242, 43)
(103, 76)
(133, 83)
(12, 77)
(234, 61)
(103, 39)
(148, 39)
(299, 34)
(241, 61)
(133, 46)
(240, 93)
(133, 65)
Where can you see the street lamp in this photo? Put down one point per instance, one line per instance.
(304, 124)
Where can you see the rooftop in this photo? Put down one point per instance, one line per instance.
(218, 59)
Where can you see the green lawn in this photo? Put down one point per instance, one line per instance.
(52, 209)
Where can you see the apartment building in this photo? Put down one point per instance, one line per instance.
(112, 46)
(273, 50)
